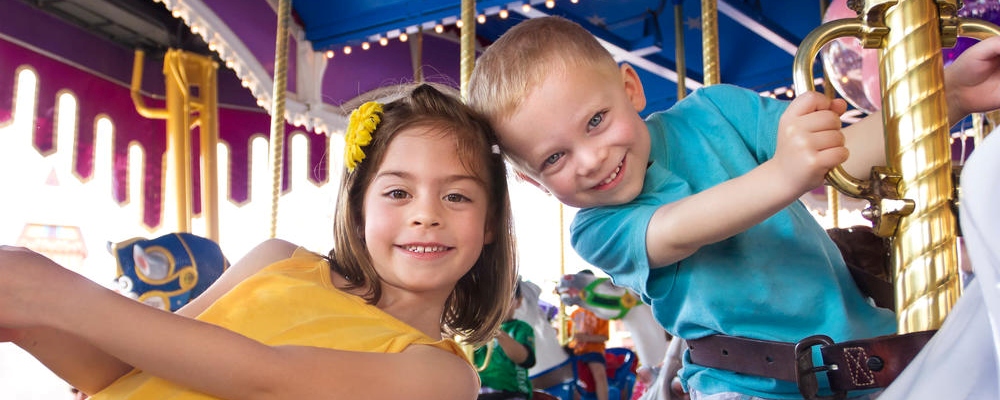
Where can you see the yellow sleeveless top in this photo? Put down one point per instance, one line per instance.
(291, 302)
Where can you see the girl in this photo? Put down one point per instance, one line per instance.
(423, 251)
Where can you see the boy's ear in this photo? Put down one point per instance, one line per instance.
(526, 178)
(633, 87)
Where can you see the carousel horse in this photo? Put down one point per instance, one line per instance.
(610, 302)
(548, 351)
(168, 271)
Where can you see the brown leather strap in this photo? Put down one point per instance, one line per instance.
(746, 356)
(861, 364)
(872, 363)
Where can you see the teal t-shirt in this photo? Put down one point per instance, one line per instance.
(501, 373)
(781, 280)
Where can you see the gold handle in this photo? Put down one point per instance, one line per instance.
(803, 81)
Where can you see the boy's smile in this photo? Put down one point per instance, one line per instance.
(578, 135)
(614, 179)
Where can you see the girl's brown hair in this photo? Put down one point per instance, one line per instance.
(477, 305)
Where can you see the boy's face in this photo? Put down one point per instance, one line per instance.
(578, 136)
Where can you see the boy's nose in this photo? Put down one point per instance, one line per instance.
(590, 160)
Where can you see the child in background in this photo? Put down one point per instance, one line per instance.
(423, 251)
(589, 332)
(696, 208)
(504, 367)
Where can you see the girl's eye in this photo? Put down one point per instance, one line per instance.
(596, 120)
(457, 198)
(553, 158)
(397, 194)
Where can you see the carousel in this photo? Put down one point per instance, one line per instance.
(128, 125)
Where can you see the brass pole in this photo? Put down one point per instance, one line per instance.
(278, 109)
(679, 49)
(709, 42)
(209, 116)
(417, 55)
(832, 195)
(468, 45)
(924, 256)
(563, 334)
(178, 137)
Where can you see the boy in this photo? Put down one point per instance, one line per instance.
(697, 207)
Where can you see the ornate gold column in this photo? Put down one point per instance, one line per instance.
(918, 148)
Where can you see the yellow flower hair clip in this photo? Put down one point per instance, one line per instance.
(362, 123)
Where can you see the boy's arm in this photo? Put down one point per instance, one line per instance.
(515, 351)
(972, 84)
(810, 143)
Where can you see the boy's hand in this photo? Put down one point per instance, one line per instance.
(972, 82)
(810, 142)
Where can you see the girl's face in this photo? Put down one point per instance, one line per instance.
(425, 214)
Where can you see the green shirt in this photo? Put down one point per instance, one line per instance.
(501, 373)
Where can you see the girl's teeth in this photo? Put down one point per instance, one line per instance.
(425, 249)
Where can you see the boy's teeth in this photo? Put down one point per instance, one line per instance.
(613, 175)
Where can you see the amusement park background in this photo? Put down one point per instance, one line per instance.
(75, 177)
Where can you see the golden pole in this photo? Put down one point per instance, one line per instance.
(178, 136)
(181, 71)
(278, 109)
(468, 45)
(679, 50)
(924, 256)
(209, 118)
(710, 41)
(563, 334)
(417, 55)
(832, 195)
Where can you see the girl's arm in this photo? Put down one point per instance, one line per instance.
(211, 359)
(90, 368)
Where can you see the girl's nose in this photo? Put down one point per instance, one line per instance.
(426, 212)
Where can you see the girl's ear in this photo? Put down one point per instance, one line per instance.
(490, 236)
(633, 87)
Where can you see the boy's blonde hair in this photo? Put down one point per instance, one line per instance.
(523, 56)
(478, 304)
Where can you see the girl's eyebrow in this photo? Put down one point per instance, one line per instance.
(409, 175)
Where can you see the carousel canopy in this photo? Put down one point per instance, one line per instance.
(757, 41)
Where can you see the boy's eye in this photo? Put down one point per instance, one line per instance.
(456, 198)
(397, 194)
(595, 120)
(553, 158)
